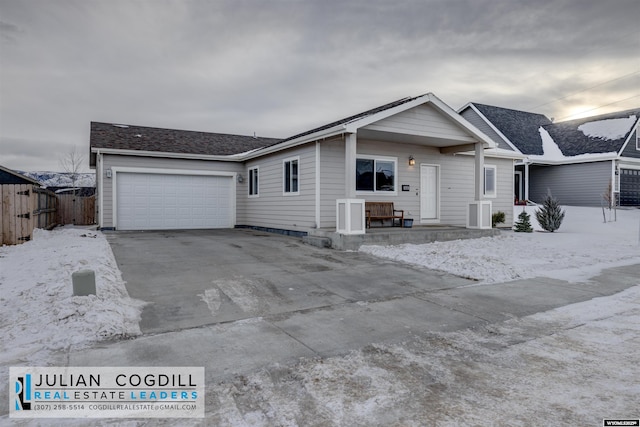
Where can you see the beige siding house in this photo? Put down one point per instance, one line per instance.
(416, 152)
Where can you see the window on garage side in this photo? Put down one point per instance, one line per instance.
(376, 174)
(490, 181)
(290, 176)
(253, 181)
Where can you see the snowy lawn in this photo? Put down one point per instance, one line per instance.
(40, 315)
(580, 249)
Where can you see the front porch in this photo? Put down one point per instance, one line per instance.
(329, 238)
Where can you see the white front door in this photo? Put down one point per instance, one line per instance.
(429, 193)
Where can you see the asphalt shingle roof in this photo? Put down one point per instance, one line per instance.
(127, 137)
(520, 127)
(354, 117)
(573, 142)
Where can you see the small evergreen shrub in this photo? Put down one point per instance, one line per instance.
(550, 215)
(497, 218)
(523, 225)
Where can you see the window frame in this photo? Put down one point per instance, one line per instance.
(637, 138)
(375, 159)
(292, 178)
(253, 173)
(494, 193)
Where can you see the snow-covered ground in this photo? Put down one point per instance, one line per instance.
(580, 249)
(574, 365)
(39, 313)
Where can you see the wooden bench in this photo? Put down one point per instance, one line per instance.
(379, 211)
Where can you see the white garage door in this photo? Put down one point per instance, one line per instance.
(163, 202)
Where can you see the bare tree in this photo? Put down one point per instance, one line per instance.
(71, 164)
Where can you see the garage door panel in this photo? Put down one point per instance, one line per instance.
(164, 201)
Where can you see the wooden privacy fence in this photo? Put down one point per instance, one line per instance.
(80, 212)
(25, 207)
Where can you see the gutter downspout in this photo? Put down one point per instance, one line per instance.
(317, 184)
(527, 162)
(99, 176)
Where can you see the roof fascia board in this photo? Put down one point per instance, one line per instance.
(497, 153)
(140, 153)
(495, 129)
(624, 146)
(323, 134)
(569, 161)
(445, 109)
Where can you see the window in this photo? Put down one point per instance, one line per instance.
(490, 181)
(253, 181)
(290, 176)
(377, 174)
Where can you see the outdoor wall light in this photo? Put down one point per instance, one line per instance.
(412, 161)
(240, 178)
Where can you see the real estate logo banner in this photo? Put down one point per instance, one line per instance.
(106, 392)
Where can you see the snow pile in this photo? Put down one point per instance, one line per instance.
(610, 129)
(574, 365)
(41, 315)
(582, 247)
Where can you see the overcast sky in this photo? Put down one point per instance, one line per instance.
(277, 68)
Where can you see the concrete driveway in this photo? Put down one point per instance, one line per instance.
(196, 278)
(236, 300)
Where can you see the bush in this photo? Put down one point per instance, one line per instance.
(550, 215)
(497, 218)
(523, 225)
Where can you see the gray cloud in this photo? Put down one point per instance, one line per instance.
(281, 67)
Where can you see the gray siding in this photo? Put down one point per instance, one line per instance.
(332, 155)
(580, 184)
(474, 118)
(422, 120)
(150, 162)
(272, 208)
(456, 181)
(631, 150)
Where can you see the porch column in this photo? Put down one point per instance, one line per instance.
(350, 166)
(479, 169)
(479, 211)
(526, 180)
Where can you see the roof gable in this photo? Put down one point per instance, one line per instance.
(597, 134)
(520, 128)
(142, 138)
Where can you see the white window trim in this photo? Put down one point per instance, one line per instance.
(494, 194)
(257, 169)
(638, 138)
(290, 193)
(376, 158)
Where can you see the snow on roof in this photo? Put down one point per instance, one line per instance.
(552, 152)
(610, 129)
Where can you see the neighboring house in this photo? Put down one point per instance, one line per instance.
(416, 152)
(580, 161)
(9, 176)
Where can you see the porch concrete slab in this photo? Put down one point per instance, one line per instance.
(502, 301)
(223, 349)
(341, 328)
